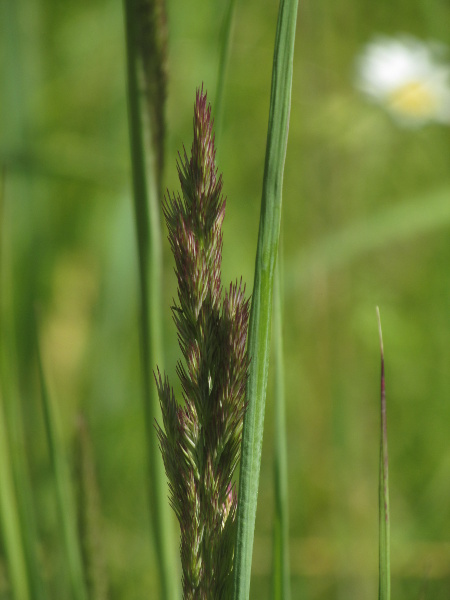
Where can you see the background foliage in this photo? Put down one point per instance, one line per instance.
(366, 222)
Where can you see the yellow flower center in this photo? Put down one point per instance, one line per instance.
(414, 99)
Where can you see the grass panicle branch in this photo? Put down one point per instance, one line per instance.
(200, 441)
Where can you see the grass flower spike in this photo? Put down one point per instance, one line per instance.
(200, 442)
(408, 78)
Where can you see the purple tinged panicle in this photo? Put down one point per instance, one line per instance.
(200, 441)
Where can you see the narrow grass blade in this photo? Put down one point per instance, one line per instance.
(225, 43)
(16, 466)
(281, 583)
(148, 231)
(13, 101)
(9, 519)
(150, 56)
(90, 516)
(9, 516)
(261, 312)
(12, 96)
(64, 492)
(384, 589)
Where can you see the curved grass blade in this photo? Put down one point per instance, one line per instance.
(384, 589)
(281, 583)
(63, 485)
(261, 311)
(146, 183)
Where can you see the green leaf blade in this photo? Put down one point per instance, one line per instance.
(261, 312)
(281, 581)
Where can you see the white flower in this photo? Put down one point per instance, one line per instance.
(408, 78)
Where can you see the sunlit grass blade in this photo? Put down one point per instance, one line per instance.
(281, 581)
(63, 488)
(225, 43)
(261, 311)
(148, 232)
(90, 526)
(384, 589)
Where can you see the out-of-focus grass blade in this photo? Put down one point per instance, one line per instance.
(384, 589)
(83, 160)
(12, 97)
(281, 583)
(150, 60)
(145, 163)
(13, 121)
(9, 519)
(63, 488)
(90, 516)
(261, 311)
(225, 43)
(14, 474)
(417, 216)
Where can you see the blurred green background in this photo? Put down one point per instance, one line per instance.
(366, 222)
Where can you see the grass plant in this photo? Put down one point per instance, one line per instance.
(367, 215)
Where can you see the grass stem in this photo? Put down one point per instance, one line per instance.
(148, 232)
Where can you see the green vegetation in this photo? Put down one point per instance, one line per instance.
(366, 222)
